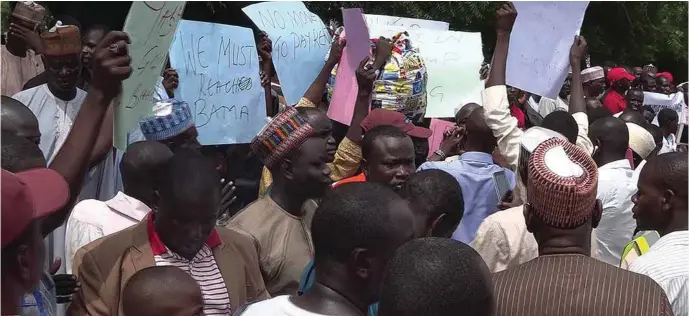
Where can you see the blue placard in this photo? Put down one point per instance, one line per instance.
(300, 43)
(219, 78)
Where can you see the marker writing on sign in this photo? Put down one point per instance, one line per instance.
(206, 113)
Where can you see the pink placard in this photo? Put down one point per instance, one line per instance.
(358, 47)
(438, 127)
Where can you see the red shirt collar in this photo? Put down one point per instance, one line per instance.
(159, 248)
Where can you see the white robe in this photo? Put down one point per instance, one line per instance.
(55, 120)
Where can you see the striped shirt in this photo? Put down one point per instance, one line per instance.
(667, 262)
(202, 268)
(576, 285)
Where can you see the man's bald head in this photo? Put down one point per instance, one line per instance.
(611, 136)
(634, 117)
(479, 137)
(161, 291)
(19, 154)
(463, 113)
(18, 119)
(140, 166)
(670, 173)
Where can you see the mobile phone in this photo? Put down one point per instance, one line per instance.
(502, 186)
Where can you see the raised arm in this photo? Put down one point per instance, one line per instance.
(111, 66)
(506, 14)
(577, 104)
(315, 92)
(265, 52)
(495, 102)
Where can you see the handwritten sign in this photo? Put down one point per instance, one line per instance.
(538, 58)
(453, 61)
(358, 47)
(151, 27)
(300, 43)
(408, 23)
(438, 127)
(219, 74)
(659, 101)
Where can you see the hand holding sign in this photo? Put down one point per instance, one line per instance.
(365, 75)
(111, 64)
(336, 49)
(578, 50)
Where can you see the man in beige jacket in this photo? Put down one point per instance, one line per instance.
(180, 233)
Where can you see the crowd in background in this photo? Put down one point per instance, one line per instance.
(530, 206)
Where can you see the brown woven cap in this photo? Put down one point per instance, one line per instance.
(64, 40)
(29, 12)
(563, 181)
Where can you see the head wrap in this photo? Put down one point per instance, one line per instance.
(640, 140)
(592, 73)
(401, 85)
(283, 134)
(170, 118)
(29, 12)
(61, 40)
(563, 182)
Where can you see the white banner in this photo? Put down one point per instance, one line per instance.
(659, 101)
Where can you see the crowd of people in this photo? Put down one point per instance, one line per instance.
(530, 206)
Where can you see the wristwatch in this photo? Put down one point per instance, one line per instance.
(441, 154)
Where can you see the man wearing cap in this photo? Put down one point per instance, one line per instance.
(620, 81)
(665, 83)
(57, 102)
(346, 159)
(379, 150)
(21, 54)
(593, 81)
(495, 96)
(561, 212)
(172, 124)
(278, 224)
(616, 187)
(474, 171)
(661, 205)
(27, 198)
(502, 239)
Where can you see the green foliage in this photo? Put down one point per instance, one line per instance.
(628, 33)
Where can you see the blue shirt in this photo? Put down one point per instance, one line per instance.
(42, 301)
(474, 172)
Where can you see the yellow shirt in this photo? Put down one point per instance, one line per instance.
(346, 163)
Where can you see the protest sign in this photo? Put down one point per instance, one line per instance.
(358, 47)
(538, 58)
(219, 74)
(659, 101)
(438, 127)
(453, 61)
(408, 23)
(300, 43)
(151, 27)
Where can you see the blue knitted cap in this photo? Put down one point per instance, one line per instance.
(170, 118)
